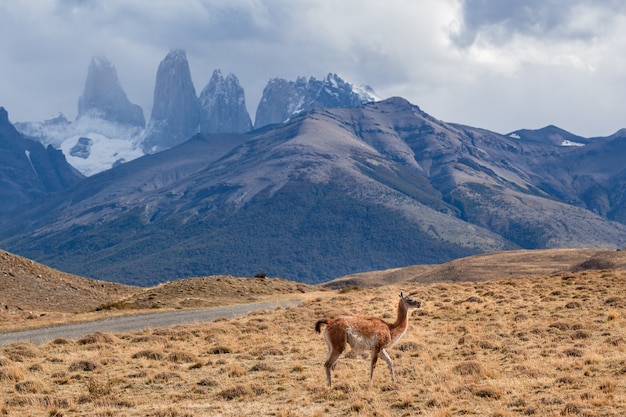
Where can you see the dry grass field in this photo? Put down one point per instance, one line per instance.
(538, 345)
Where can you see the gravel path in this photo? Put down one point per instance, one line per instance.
(135, 322)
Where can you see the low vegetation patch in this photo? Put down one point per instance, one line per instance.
(549, 345)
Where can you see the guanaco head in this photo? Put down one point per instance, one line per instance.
(408, 301)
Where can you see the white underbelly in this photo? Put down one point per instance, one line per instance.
(360, 342)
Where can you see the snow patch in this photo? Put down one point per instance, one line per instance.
(104, 153)
(30, 161)
(571, 143)
(104, 144)
(365, 93)
(515, 136)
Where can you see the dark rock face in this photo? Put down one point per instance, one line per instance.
(283, 99)
(223, 106)
(176, 110)
(82, 149)
(104, 98)
(28, 171)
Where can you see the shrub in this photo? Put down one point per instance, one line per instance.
(97, 337)
(86, 366)
(238, 391)
(166, 377)
(31, 387)
(487, 392)
(18, 352)
(207, 382)
(467, 368)
(149, 354)
(573, 353)
(595, 264)
(98, 388)
(408, 347)
(182, 357)
(349, 289)
(219, 350)
(560, 325)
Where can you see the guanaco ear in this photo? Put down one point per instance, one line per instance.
(400, 294)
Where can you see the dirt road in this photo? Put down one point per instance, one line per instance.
(135, 322)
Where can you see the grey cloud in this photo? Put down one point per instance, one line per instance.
(399, 47)
(502, 19)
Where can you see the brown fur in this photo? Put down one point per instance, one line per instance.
(365, 333)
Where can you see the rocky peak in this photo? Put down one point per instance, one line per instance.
(8, 133)
(4, 116)
(176, 110)
(104, 97)
(223, 106)
(283, 99)
(333, 91)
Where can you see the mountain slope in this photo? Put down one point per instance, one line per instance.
(28, 171)
(593, 176)
(36, 287)
(329, 193)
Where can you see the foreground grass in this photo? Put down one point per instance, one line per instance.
(545, 346)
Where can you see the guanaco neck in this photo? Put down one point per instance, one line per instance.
(401, 321)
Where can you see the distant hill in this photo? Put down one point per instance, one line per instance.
(491, 266)
(28, 285)
(33, 294)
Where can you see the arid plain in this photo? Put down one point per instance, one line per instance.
(522, 333)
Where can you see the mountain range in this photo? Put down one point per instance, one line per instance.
(330, 192)
(110, 130)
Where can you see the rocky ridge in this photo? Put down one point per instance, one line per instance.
(284, 99)
(104, 97)
(223, 106)
(176, 110)
(109, 130)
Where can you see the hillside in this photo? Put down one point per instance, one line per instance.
(28, 285)
(489, 266)
(201, 292)
(550, 345)
(33, 295)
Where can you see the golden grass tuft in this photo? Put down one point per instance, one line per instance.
(83, 366)
(11, 371)
(467, 368)
(30, 387)
(149, 354)
(182, 357)
(22, 351)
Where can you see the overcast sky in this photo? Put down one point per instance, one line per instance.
(497, 64)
